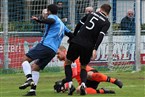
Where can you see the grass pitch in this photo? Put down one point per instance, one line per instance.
(134, 85)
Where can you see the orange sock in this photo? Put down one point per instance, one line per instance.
(99, 77)
(91, 91)
(101, 91)
(112, 80)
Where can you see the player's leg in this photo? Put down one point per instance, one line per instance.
(34, 53)
(93, 85)
(35, 77)
(40, 65)
(100, 77)
(72, 55)
(83, 76)
(27, 71)
(85, 55)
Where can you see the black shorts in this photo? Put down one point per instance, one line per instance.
(42, 53)
(75, 51)
(92, 84)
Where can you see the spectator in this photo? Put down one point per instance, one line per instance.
(128, 22)
(61, 14)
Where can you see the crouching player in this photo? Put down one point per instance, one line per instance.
(93, 77)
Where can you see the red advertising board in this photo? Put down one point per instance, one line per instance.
(124, 51)
(17, 47)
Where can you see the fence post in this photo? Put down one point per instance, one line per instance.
(110, 40)
(72, 13)
(137, 36)
(5, 33)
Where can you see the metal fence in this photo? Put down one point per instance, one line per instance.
(16, 18)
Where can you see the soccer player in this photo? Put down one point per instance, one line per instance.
(85, 42)
(93, 77)
(44, 51)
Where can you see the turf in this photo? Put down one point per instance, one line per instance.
(134, 85)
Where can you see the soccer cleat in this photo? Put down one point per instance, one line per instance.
(82, 90)
(106, 91)
(30, 93)
(71, 90)
(118, 83)
(28, 83)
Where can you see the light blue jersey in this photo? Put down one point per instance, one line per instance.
(54, 33)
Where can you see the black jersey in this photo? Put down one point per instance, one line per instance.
(95, 24)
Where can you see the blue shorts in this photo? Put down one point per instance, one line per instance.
(42, 53)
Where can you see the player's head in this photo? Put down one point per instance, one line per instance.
(130, 13)
(105, 8)
(89, 10)
(52, 9)
(61, 53)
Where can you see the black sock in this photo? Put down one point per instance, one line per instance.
(33, 87)
(29, 75)
(68, 73)
(83, 75)
(98, 91)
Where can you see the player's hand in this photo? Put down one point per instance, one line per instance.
(94, 55)
(34, 18)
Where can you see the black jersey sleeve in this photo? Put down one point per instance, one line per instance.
(105, 28)
(77, 28)
(80, 23)
(101, 35)
(98, 42)
(70, 35)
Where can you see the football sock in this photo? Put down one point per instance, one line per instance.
(83, 75)
(68, 73)
(27, 69)
(109, 79)
(33, 88)
(35, 76)
(101, 91)
(99, 77)
(91, 91)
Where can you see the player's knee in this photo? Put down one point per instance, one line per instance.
(89, 75)
(25, 58)
(35, 67)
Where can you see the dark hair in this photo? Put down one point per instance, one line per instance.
(52, 8)
(106, 8)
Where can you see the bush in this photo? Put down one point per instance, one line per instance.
(116, 26)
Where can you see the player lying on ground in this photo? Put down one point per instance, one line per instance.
(93, 77)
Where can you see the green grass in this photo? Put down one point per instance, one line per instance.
(134, 84)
